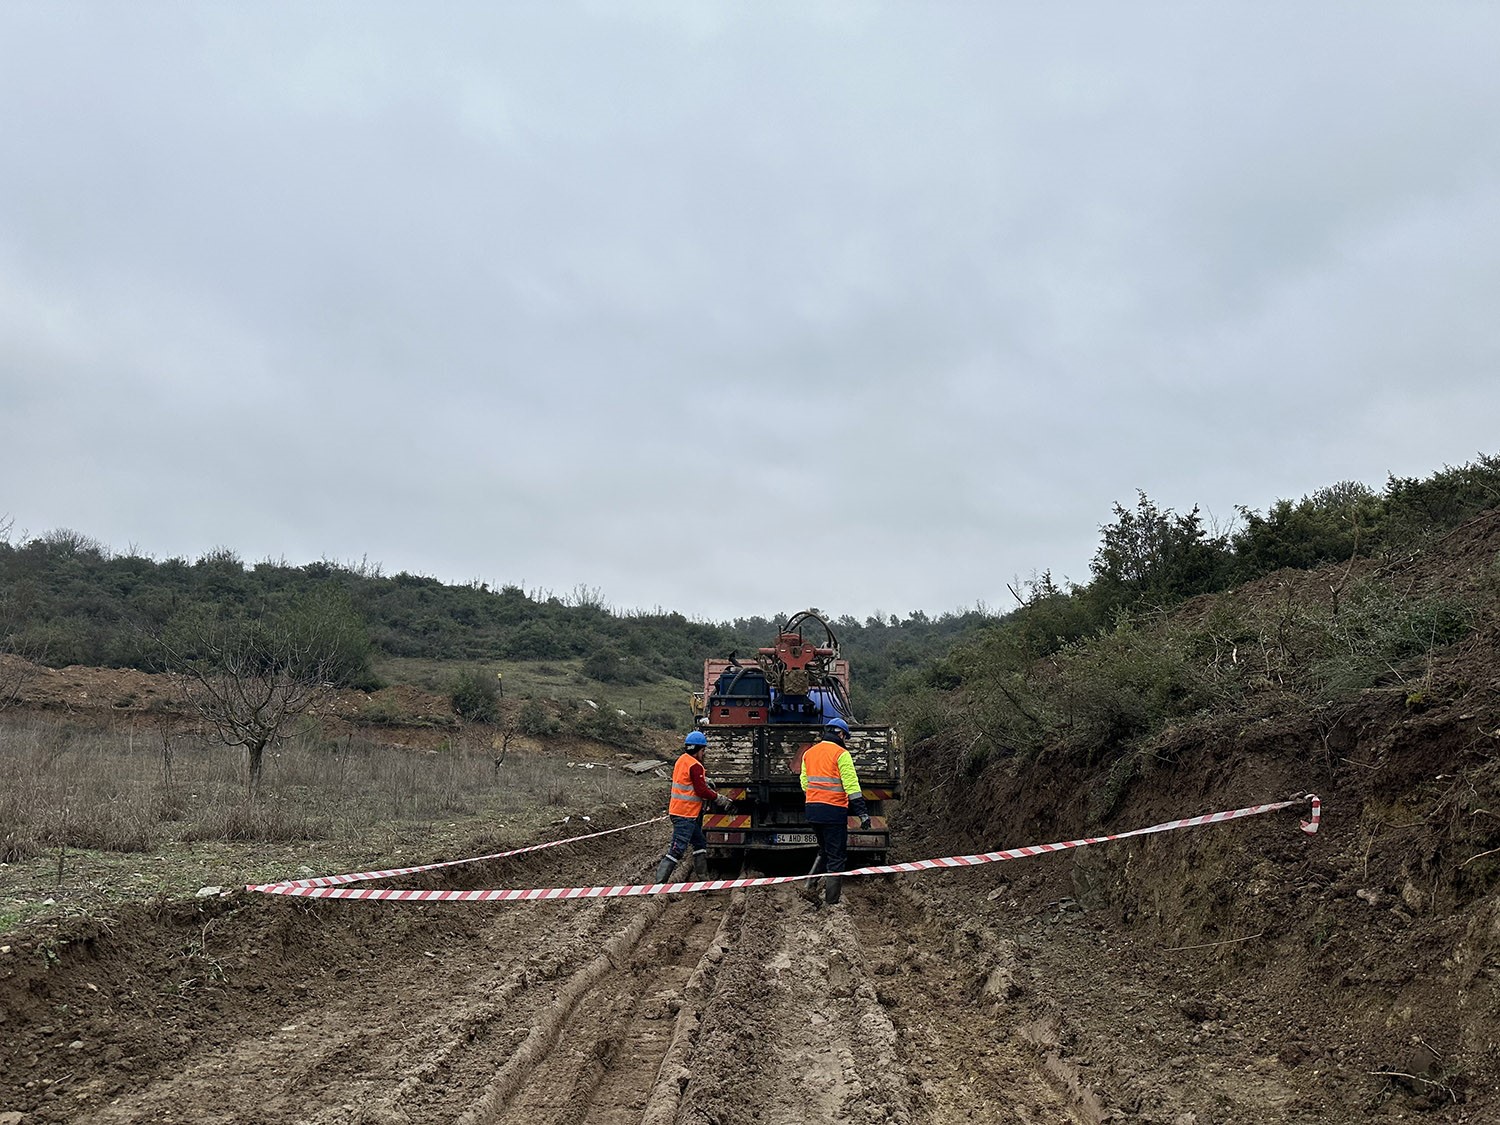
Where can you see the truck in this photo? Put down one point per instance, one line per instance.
(759, 716)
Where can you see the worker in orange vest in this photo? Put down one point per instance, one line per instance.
(690, 789)
(833, 794)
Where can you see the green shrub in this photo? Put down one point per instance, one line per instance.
(534, 719)
(475, 695)
(383, 713)
(924, 713)
(1375, 630)
(1106, 797)
(605, 723)
(607, 665)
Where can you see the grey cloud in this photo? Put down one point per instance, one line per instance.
(507, 292)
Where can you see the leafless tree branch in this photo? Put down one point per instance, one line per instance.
(248, 680)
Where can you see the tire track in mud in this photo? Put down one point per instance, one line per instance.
(972, 1055)
(600, 1055)
(407, 1041)
(795, 1033)
(751, 1007)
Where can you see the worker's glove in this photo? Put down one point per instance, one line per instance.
(864, 822)
(722, 801)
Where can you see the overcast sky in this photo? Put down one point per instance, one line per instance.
(734, 308)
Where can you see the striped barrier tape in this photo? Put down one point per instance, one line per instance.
(312, 888)
(361, 876)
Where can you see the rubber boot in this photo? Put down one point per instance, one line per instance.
(809, 889)
(664, 869)
(700, 865)
(833, 889)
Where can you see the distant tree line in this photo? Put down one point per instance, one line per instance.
(67, 599)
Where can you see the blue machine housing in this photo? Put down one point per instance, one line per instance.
(816, 707)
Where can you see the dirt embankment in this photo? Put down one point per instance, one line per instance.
(1350, 976)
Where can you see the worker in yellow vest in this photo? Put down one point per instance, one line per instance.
(833, 795)
(690, 789)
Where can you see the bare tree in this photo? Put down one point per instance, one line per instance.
(501, 742)
(249, 679)
(15, 672)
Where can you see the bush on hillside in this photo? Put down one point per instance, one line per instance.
(535, 720)
(606, 665)
(1332, 525)
(1152, 556)
(476, 696)
(1125, 685)
(605, 723)
(1374, 632)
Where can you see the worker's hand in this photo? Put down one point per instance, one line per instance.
(722, 801)
(864, 822)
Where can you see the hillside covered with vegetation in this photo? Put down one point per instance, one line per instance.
(1346, 645)
(67, 599)
(1096, 668)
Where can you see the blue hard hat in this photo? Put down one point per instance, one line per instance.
(837, 723)
(695, 738)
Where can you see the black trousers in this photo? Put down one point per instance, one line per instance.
(832, 828)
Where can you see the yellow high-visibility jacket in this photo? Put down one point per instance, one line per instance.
(828, 775)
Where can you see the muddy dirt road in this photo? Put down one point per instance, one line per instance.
(958, 997)
(726, 1007)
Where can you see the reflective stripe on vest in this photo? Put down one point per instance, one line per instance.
(825, 785)
(685, 800)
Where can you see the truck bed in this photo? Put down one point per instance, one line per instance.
(772, 753)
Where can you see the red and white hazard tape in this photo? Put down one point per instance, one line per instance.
(361, 876)
(322, 888)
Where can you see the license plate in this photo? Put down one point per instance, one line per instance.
(795, 838)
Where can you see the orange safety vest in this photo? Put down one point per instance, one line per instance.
(825, 785)
(685, 800)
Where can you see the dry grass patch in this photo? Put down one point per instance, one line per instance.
(95, 813)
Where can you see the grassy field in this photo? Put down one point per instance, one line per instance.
(91, 814)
